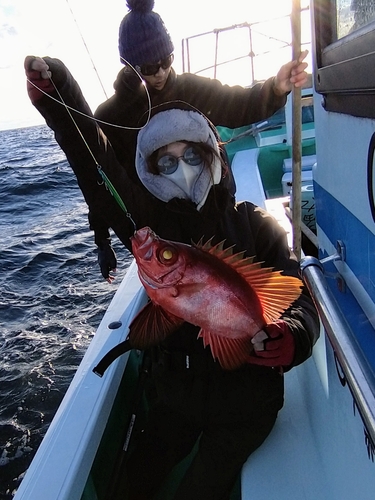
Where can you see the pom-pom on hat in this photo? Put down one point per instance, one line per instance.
(143, 37)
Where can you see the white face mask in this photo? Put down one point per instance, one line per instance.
(185, 177)
(194, 181)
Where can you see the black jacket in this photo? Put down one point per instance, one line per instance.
(244, 225)
(224, 105)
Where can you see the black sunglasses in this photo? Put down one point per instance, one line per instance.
(152, 69)
(168, 164)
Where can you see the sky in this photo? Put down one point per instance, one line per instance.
(85, 37)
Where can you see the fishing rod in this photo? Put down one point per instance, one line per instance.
(127, 63)
(87, 49)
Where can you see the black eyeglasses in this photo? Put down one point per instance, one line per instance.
(152, 69)
(168, 164)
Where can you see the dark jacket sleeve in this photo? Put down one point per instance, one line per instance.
(225, 105)
(273, 249)
(87, 148)
(100, 228)
(230, 106)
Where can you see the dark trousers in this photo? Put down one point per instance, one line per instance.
(223, 449)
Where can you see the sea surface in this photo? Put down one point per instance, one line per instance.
(52, 295)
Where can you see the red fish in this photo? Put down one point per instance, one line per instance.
(229, 297)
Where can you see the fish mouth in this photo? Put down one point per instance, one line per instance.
(148, 280)
(142, 242)
(161, 280)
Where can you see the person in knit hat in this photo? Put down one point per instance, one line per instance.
(143, 37)
(145, 46)
(145, 43)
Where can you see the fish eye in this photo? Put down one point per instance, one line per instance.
(167, 255)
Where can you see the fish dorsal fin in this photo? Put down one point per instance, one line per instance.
(225, 254)
(275, 291)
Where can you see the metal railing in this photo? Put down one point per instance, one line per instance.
(249, 52)
(353, 363)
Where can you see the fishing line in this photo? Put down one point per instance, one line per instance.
(68, 108)
(127, 63)
(103, 175)
(101, 83)
(87, 50)
(61, 102)
(111, 188)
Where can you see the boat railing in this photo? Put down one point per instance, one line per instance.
(355, 369)
(252, 51)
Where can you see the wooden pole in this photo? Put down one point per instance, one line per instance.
(296, 127)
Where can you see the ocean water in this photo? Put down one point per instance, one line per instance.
(52, 295)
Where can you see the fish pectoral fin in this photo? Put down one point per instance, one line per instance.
(275, 291)
(151, 326)
(231, 353)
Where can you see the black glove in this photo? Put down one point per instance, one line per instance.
(107, 259)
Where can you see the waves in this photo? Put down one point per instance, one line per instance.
(52, 296)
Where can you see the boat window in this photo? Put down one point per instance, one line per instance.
(307, 109)
(277, 119)
(353, 14)
(344, 55)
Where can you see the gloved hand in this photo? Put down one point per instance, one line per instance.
(37, 72)
(273, 346)
(107, 259)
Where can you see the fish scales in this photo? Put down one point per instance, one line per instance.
(229, 297)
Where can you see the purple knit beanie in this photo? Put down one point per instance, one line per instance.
(143, 37)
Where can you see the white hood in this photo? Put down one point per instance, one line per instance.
(169, 126)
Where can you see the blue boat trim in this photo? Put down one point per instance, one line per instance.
(346, 225)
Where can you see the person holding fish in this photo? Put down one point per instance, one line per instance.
(228, 314)
(145, 45)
